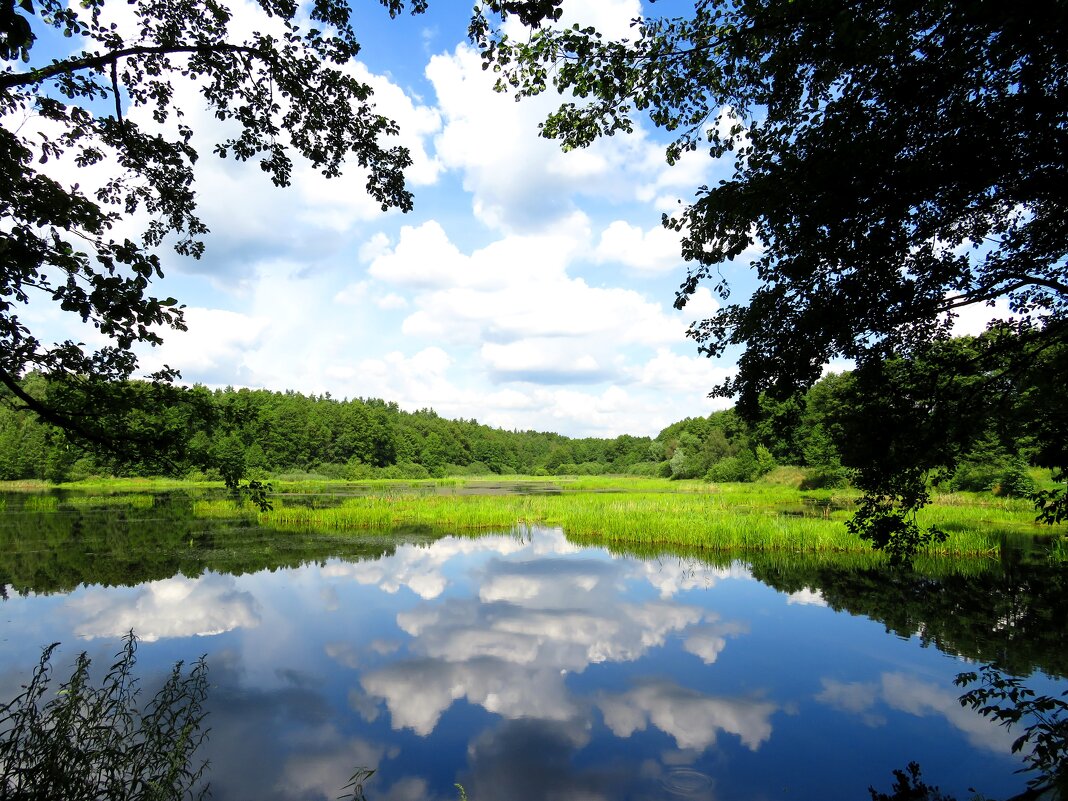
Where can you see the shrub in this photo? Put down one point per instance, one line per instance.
(742, 467)
(355, 470)
(976, 476)
(825, 477)
(94, 743)
(329, 470)
(1015, 480)
(651, 469)
(765, 461)
(411, 470)
(785, 476)
(83, 469)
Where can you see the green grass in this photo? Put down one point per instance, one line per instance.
(129, 500)
(642, 512)
(41, 503)
(223, 508)
(772, 515)
(1058, 552)
(109, 485)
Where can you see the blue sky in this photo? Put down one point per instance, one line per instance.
(529, 288)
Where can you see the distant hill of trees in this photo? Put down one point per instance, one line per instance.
(261, 432)
(258, 433)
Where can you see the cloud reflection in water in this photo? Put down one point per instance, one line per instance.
(541, 614)
(174, 607)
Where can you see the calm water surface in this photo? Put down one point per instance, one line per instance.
(519, 665)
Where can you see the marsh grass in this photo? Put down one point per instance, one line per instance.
(25, 485)
(225, 508)
(104, 485)
(765, 516)
(133, 500)
(727, 517)
(41, 503)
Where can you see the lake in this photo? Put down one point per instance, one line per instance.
(524, 666)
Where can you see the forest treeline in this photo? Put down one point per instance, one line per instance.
(258, 433)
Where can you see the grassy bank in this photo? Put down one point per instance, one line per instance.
(760, 517)
(766, 516)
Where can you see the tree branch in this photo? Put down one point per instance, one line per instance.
(1048, 283)
(993, 291)
(98, 62)
(69, 423)
(45, 412)
(115, 89)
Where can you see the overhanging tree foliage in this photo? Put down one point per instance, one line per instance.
(895, 162)
(284, 94)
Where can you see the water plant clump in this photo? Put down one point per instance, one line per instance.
(89, 743)
(732, 517)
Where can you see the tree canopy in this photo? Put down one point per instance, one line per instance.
(894, 163)
(285, 93)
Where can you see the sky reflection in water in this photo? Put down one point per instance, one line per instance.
(528, 667)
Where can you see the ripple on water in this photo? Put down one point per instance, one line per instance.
(685, 781)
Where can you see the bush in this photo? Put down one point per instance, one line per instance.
(473, 469)
(1015, 480)
(410, 470)
(685, 464)
(742, 467)
(765, 461)
(825, 477)
(330, 470)
(651, 469)
(94, 743)
(83, 469)
(976, 476)
(785, 476)
(355, 470)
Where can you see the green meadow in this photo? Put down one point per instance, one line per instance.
(635, 512)
(768, 516)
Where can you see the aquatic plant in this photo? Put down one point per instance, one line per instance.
(127, 500)
(738, 518)
(41, 503)
(93, 743)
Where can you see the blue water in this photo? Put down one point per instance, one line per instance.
(531, 668)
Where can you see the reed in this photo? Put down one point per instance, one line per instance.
(41, 503)
(136, 484)
(768, 516)
(727, 518)
(224, 508)
(131, 500)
